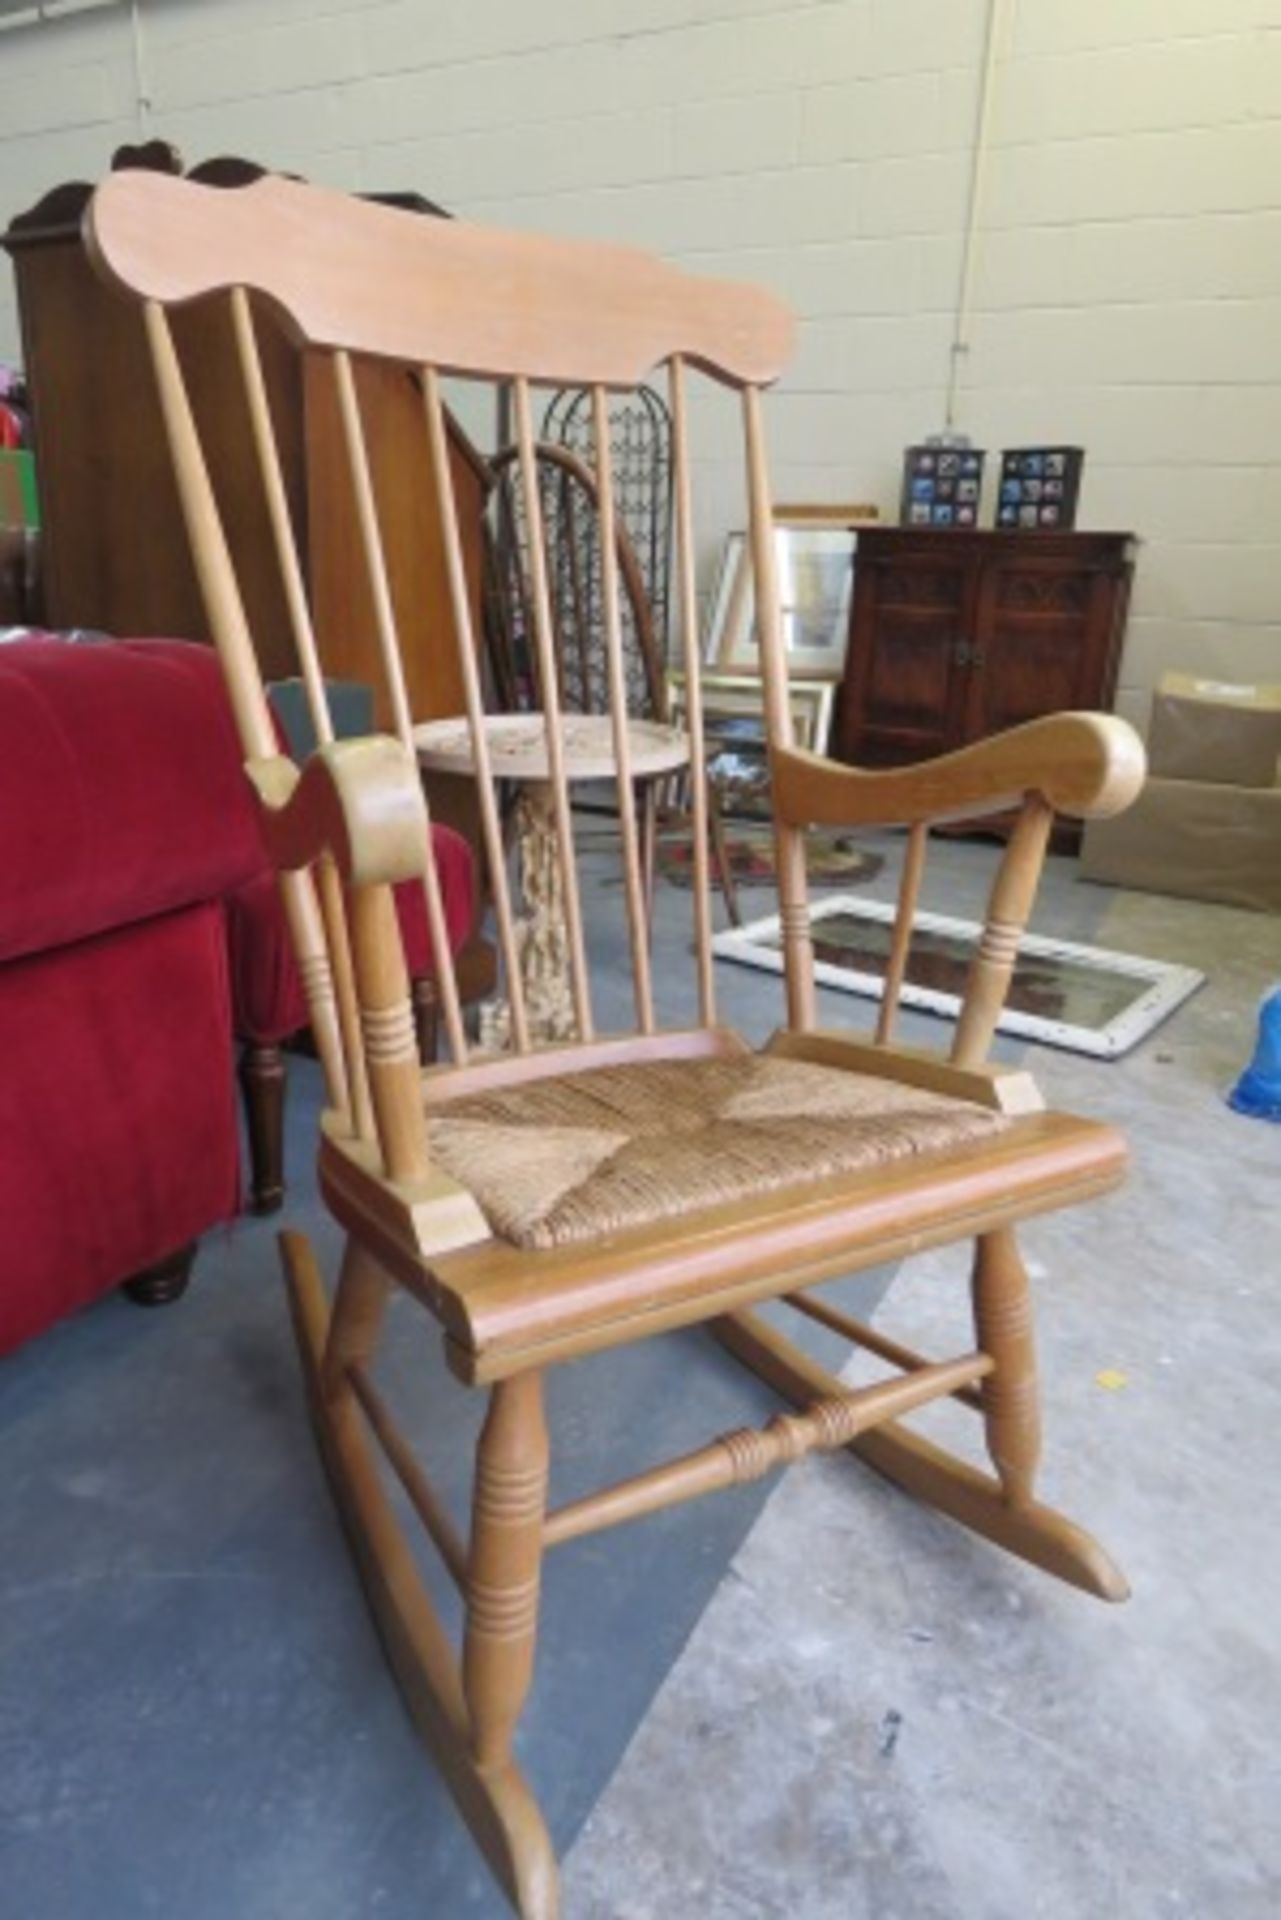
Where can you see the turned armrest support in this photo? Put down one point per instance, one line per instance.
(357, 807)
(1086, 765)
(359, 800)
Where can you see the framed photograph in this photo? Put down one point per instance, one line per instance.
(734, 732)
(816, 586)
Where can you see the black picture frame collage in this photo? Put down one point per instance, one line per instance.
(1038, 488)
(942, 486)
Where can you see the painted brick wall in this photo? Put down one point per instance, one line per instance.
(1128, 274)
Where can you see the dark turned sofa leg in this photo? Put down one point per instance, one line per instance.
(262, 1081)
(167, 1281)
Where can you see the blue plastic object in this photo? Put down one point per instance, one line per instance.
(1258, 1091)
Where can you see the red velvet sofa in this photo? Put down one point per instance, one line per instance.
(139, 933)
(124, 823)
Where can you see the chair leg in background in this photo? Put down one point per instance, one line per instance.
(262, 1083)
(646, 792)
(426, 1005)
(721, 855)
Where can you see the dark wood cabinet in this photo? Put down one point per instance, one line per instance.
(954, 636)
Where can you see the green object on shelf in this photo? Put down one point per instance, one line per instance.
(19, 501)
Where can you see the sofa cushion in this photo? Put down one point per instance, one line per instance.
(121, 785)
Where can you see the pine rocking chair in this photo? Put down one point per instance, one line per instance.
(548, 1204)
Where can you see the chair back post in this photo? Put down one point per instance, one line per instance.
(473, 697)
(225, 607)
(1008, 911)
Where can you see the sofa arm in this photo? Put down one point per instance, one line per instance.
(121, 792)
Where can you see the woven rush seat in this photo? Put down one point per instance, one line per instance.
(580, 1156)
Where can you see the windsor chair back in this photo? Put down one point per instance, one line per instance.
(570, 515)
(551, 1202)
(569, 509)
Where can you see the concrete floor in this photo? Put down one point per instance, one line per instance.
(872, 1716)
(879, 1718)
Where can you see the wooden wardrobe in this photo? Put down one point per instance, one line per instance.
(115, 555)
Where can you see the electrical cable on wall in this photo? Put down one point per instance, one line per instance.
(960, 344)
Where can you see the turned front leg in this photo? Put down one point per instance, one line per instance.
(508, 1506)
(1011, 1393)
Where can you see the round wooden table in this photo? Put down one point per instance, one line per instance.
(517, 746)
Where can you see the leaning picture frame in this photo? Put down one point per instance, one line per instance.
(735, 735)
(815, 566)
(727, 605)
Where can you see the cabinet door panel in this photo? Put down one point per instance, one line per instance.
(957, 635)
(903, 695)
(1038, 644)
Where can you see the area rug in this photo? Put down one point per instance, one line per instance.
(833, 859)
(1085, 999)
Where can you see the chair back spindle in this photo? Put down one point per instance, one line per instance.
(473, 695)
(550, 681)
(687, 624)
(284, 543)
(636, 912)
(789, 839)
(225, 607)
(328, 887)
(357, 451)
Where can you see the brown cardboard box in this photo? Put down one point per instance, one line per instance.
(1198, 839)
(1215, 730)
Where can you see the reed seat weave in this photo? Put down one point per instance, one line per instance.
(578, 1157)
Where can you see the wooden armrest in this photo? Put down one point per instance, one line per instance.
(359, 800)
(1087, 765)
